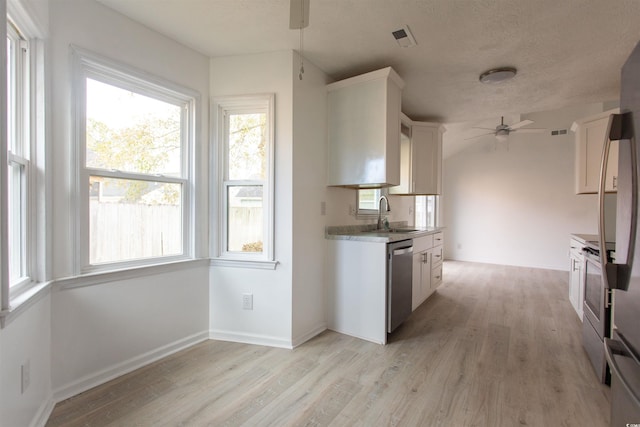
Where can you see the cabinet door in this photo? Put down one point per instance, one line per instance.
(426, 165)
(590, 138)
(364, 130)
(421, 281)
(576, 287)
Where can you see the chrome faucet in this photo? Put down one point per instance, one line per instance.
(380, 226)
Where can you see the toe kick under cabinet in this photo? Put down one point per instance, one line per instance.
(427, 267)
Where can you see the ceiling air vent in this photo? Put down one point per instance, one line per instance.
(404, 37)
(559, 132)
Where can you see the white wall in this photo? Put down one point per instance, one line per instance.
(309, 190)
(270, 320)
(517, 205)
(27, 339)
(104, 330)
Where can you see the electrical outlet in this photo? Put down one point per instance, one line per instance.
(323, 208)
(247, 301)
(25, 375)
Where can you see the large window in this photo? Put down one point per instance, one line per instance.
(135, 137)
(20, 185)
(244, 129)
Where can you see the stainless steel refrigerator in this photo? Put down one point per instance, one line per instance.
(623, 275)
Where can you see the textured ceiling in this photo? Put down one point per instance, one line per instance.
(567, 52)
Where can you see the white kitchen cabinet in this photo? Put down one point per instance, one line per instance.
(427, 267)
(576, 276)
(357, 286)
(421, 279)
(364, 130)
(590, 134)
(421, 160)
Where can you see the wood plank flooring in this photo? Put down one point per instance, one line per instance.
(494, 346)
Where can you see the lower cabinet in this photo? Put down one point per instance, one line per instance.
(576, 276)
(427, 267)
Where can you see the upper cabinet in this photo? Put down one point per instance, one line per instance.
(590, 134)
(420, 159)
(364, 130)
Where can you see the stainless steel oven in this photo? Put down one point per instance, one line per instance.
(596, 324)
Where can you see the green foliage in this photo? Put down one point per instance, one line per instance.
(247, 146)
(151, 146)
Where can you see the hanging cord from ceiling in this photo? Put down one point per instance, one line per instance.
(301, 40)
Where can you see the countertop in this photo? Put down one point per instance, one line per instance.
(592, 240)
(368, 233)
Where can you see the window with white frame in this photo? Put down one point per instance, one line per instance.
(367, 202)
(426, 211)
(135, 138)
(244, 129)
(20, 183)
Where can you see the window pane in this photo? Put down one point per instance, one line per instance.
(130, 132)
(425, 211)
(244, 211)
(368, 199)
(131, 219)
(17, 218)
(247, 146)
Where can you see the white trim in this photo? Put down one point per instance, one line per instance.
(85, 65)
(21, 302)
(94, 379)
(255, 339)
(44, 412)
(4, 205)
(22, 13)
(243, 263)
(317, 330)
(219, 107)
(99, 278)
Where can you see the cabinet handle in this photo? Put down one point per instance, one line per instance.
(615, 182)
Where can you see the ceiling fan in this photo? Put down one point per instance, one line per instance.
(502, 131)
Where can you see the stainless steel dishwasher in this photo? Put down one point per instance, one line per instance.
(399, 277)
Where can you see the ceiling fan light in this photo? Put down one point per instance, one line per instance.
(502, 137)
(497, 75)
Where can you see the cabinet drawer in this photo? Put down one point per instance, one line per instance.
(575, 249)
(436, 255)
(438, 238)
(422, 243)
(436, 276)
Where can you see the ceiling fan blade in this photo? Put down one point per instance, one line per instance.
(298, 14)
(520, 124)
(491, 129)
(530, 130)
(479, 136)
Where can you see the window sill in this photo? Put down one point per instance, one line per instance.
(22, 301)
(243, 263)
(124, 274)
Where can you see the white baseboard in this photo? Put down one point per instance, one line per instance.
(270, 341)
(317, 330)
(42, 416)
(92, 380)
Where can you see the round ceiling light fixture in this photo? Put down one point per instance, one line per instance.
(498, 75)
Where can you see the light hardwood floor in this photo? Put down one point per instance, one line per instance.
(494, 346)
